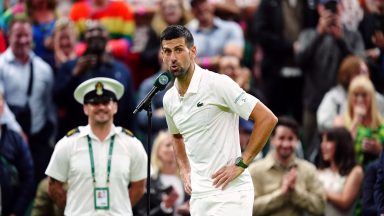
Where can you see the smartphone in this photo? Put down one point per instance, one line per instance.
(167, 190)
(331, 6)
(379, 23)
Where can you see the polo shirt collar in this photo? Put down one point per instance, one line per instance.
(216, 24)
(195, 81)
(87, 131)
(10, 57)
(271, 162)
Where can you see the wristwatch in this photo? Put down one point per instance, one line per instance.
(240, 163)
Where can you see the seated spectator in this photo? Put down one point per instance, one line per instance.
(64, 41)
(363, 120)
(284, 184)
(43, 205)
(42, 16)
(214, 36)
(339, 173)
(334, 101)
(116, 16)
(16, 171)
(95, 62)
(378, 193)
(167, 193)
(28, 82)
(319, 52)
(369, 206)
(372, 30)
(230, 66)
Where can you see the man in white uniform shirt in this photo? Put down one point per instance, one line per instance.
(202, 112)
(99, 160)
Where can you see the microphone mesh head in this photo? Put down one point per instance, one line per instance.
(162, 80)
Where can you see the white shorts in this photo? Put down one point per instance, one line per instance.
(239, 203)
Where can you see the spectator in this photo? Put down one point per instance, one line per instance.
(276, 26)
(230, 66)
(16, 171)
(28, 82)
(379, 187)
(339, 173)
(43, 205)
(284, 184)
(167, 195)
(369, 206)
(116, 16)
(319, 52)
(363, 120)
(214, 36)
(372, 30)
(94, 63)
(42, 15)
(64, 41)
(334, 101)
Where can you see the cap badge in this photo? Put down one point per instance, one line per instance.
(99, 88)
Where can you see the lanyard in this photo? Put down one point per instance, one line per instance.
(92, 160)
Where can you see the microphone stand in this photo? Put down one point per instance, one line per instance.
(148, 108)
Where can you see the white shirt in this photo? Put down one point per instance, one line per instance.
(70, 163)
(14, 77)
(208, 119)
(333, 182)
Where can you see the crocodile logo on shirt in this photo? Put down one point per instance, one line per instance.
(200, 104)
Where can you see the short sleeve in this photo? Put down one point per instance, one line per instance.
(58, 166)
(139, 162)
(171, 124)
(234, 97)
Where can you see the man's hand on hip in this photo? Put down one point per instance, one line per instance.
(225, 175)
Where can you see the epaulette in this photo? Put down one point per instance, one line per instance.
(73, 131)
(128, 132)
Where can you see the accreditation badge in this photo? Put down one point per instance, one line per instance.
(101, 197)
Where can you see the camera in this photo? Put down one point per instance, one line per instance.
(167, 190)
(331, 6)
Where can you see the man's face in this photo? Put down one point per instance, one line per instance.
(65, 40)
(203, 11)
(100, 112)
(177, 57)
(20, 39)
(284, 141)
(229, 66)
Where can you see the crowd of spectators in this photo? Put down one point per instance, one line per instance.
(318, 63)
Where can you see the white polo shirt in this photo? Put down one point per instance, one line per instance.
(70, 163)
(208, 119)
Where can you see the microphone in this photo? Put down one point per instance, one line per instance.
(161, 82)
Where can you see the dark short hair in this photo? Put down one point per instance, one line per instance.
(345, 156)
(177, 31)
(288, 122)
(194, 3)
